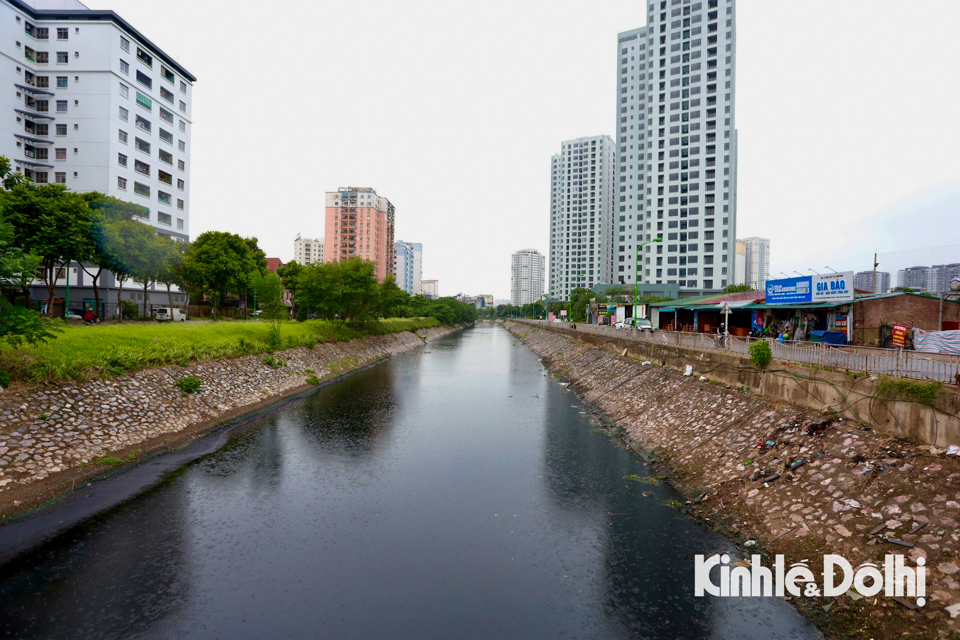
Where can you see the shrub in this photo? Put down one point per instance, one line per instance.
(130, 309)
(922, 392)
(312, 380)
(760, 353)
(189, 384)
(4, 379)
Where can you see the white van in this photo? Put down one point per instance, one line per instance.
(166, 314)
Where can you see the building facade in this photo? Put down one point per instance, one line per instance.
(89, 102)
(581, 215)
(431, 288)
(757, 262)
(863, 281)
(740, 263)
(526, 277)
(360, 224)
(677, 146)
(308, 250)
(935, 279)
(408, 266)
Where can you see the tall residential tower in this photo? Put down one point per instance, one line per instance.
(409, 266)
(581, 215)
(308, 250)
(526, 277)
(677, 145)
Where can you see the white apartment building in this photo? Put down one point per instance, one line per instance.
(308, 250)
(677, 145)
(408, 260)
(526, 277)
(740, 263)
(89, 102)
(581, 215)
(431, 288)
(757, 262)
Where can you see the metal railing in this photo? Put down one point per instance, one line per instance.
(899, 363)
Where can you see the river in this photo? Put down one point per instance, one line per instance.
(458, 491)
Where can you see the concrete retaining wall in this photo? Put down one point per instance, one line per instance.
(854, 397)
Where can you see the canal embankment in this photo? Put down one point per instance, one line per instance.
(792, 480)
(56, 437)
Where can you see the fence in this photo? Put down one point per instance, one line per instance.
(870, 360)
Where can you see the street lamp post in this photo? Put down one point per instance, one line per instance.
(636, 279)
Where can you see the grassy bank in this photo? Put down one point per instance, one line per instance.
(86, 352)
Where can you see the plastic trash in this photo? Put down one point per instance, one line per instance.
(645, 362)
(702, 378)
(797, 464)
(953, 450)
(689, 371)
(749, 543)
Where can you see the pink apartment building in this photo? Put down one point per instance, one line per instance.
(359, 224)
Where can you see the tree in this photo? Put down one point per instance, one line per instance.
(393, 300)
(149, 264)
(50, 222)
(121, 244)
(218, 262)
(270, 292)
(171, 269)
(738, 288)
(580, 298)
(289, 274)
(18, 325)
(104, 210)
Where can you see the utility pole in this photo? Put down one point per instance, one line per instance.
(875, 265)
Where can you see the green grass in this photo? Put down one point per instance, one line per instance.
(85, 352)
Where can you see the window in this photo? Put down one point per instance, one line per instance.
(180, 204)
(43, 82)
(166, 136)
(123, 136)
(144, 79)
(180, 223)
(183, 126)
(124, 114)
(61, 129)
(28, 28)
(166, 94)
(183, 87)
(167, 74)
(141, 189)
(144, 57)
(63, 33)
(63, 57)
(60, 177)
(182, 145)
(183, 106)
(144, 101)
(163, 197)
(40, 177)
(124, 44)
(43, 57)
(142, 145)
(143, 123)
(62, 82)
(181, 165)
(61, 106)
(124, 90)
(43, 33)
(180, 184)
(166, 156)
(29, 54)
(124, 67)
(141, 167)
(166, 115)
(164, 218)
(165, 177)
(122, 183)
(121, 160)
(61, 154)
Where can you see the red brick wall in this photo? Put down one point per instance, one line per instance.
(915, 311)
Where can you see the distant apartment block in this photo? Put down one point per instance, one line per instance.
(757, 262)
(582, 178)
(526, 276)
(308, 250)
(864, 281)
(677, 145)
(360, 224)
(740, 263)
(431, 288)
(408, 265)
(935, 279)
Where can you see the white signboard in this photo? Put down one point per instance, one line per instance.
(833, 287)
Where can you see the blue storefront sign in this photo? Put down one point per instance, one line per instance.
(790, 290)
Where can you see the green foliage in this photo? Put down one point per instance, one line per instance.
(82, 353)
(269, 290)
(314, 380)
(189, 384)
(112, 461)
(922, 392)
(219, 262)
(4, 379)
(273, 361)
(760, 353)
(128, 309)
(738, 288)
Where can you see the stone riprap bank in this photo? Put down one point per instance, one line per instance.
(851, 479)
(58, 430)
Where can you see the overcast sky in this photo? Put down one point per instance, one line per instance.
(848, 113)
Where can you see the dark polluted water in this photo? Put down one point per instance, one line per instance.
(454, 492)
